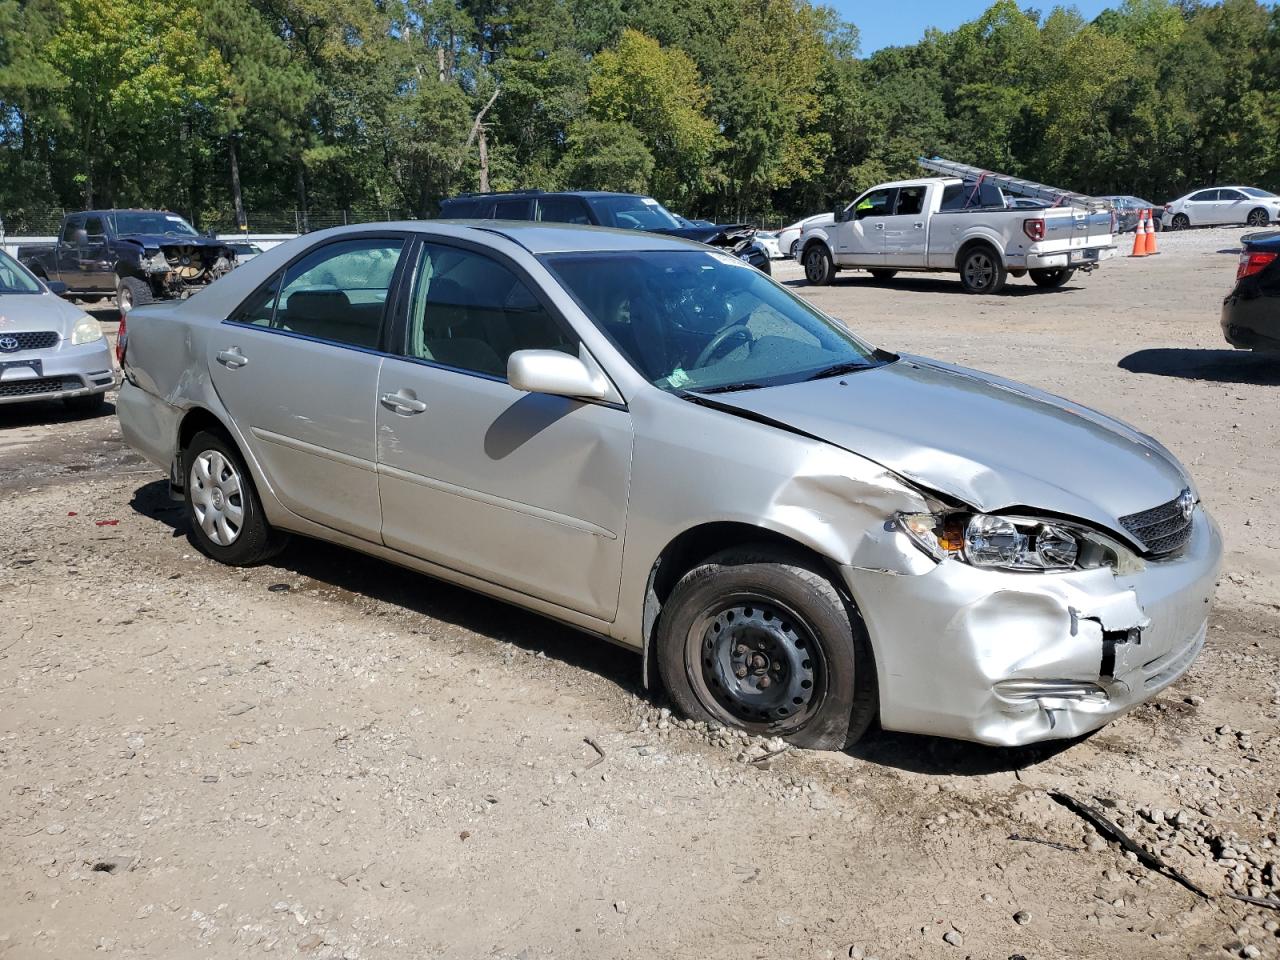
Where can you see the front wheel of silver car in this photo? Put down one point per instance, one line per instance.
(227, 522)
(762, 640)
(1258, 218)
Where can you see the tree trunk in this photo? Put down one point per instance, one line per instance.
(300, 182)
(484, 162)
(242, 223)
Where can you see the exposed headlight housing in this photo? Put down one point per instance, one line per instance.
(1019, 544)
(86, 330)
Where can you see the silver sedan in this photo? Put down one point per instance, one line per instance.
(49, 349)
(648, 440)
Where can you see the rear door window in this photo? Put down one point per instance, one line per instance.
(910, 201)
(1205, 195)
(563, 210)
(512, 209)
(337, 293)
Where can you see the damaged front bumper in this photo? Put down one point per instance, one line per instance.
(1013, 658)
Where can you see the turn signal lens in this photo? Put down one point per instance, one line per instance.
(1251, 263)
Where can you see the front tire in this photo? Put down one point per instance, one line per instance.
(818, 268)
(1180, 221)
(1258, 218)
(1052, 279)
(794, 250)
(981, 270)
(761, 640)
(225, 514)
(132, 292)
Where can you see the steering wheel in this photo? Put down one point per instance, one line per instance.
(737, 328)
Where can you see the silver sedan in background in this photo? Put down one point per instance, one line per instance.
(49, 349)
(651, 441)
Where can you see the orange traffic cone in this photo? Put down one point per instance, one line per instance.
(1140, 237)
(1151, 235)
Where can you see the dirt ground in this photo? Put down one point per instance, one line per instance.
(332, 757)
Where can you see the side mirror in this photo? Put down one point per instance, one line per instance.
(57, 288)
(82, 237)
(554, 373)
(838, 214)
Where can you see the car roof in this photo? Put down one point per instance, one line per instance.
(517, 194)
(538, 237)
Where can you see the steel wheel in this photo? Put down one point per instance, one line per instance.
(757, 661)
(217, 497)
(1258, 218)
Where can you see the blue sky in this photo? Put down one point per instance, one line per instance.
(895, 24)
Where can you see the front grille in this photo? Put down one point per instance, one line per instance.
(31, 340)
(1161, 529)
(39, 385)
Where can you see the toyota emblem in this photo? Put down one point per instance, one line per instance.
(8, 344)
(1187, 504)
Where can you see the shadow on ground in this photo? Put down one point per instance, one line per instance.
(1222, 366)
(351, 577)
(345, 575)
(924, 283)
(37, 413)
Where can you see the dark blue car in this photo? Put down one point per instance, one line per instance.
(1251, 312)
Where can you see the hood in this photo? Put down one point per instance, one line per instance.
(721, 235)
(22, 312)
(990, 443)
(171, 240)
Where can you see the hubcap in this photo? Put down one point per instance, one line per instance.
(758, 662)
(217, 499)
(979, 270)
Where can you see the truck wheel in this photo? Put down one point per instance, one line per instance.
(883, 274)
(132, 292)
(818, 268)
(1180, 221)
(1051, 279)
(981, 271)
(760, 639)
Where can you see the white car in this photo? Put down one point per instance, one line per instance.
(767, 241)
(1222, 205)
(789, 237)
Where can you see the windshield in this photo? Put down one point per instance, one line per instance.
(145, 221)
(689, 320)
(14, 277)
(1255, 192)
(633, 213)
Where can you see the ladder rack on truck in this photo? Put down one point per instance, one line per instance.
(1014, 185)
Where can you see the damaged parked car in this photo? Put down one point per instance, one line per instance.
(644, 438)
(137, 256)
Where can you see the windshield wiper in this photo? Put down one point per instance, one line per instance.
(835, 370)
(729, 387)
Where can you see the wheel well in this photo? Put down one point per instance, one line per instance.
(1263, 210)
(971, 244)
(196, 419)
(813, 241)
(693, 547)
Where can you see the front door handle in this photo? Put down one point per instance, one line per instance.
(879, 226)
(402, 402)
(232, 358)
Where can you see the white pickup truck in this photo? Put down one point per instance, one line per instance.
(951, 224)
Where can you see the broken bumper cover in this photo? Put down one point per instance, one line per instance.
(1014, 658)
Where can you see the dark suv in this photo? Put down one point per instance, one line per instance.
(628, 211)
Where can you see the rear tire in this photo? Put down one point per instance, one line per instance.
(227, 522)
(883, 274)
(1052, 279)
(1180, 222)
(818, 268)
(132, 292)
(981, 270)
(761, 640)
(1258, 218)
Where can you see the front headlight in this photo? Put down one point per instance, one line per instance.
(1021, 544)
(86, 330)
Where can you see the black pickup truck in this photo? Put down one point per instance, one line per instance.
(136, 256)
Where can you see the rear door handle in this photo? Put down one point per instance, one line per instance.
(232, 358)
(918, 226)
(403, 402)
